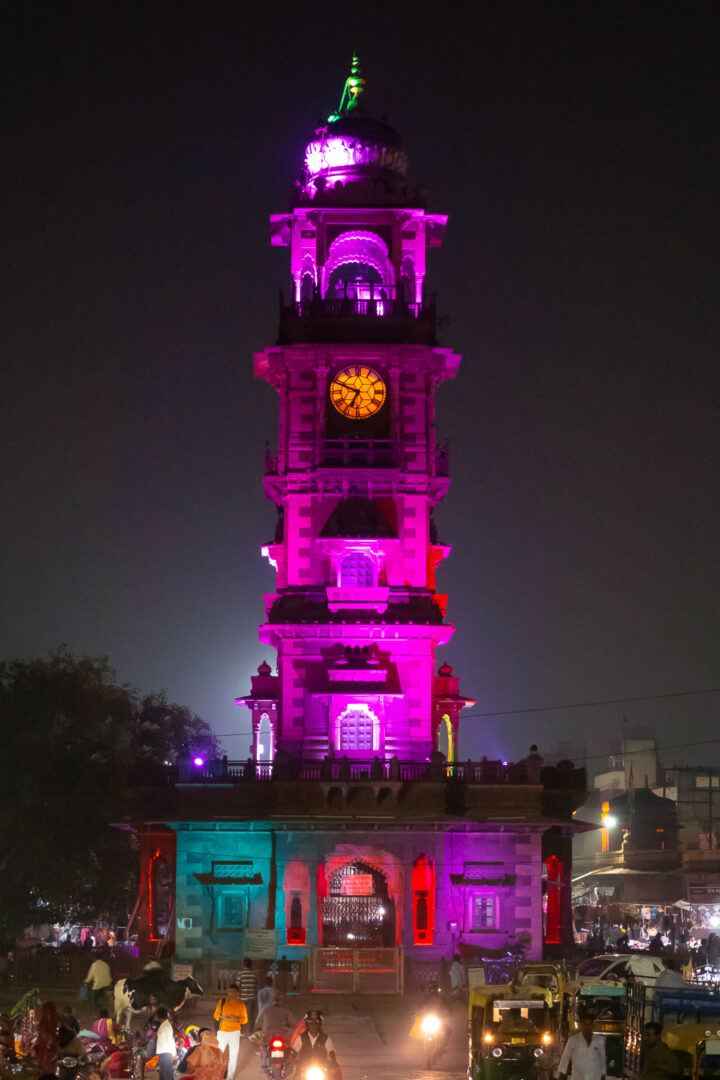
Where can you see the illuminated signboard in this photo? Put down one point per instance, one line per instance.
(357, 885)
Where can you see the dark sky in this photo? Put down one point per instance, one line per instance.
(575, 147)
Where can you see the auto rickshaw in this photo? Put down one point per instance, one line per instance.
(512, 1035)
(687, 1010)
(697, 1048)
(548, 976)
(607, 1005)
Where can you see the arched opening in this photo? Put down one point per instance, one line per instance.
(307, 286)
(445, 739)
(358, 267)
(407, 281)
(358, 911)
(357, 571)
(265, 742)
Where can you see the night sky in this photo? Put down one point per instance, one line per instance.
(575, 148)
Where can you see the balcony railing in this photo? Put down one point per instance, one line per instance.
(351, 318)
(352, 453)
(341, 771)
(356, 453)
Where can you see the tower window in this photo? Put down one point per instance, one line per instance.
(483, 913)
(233, 911)
(357, 571)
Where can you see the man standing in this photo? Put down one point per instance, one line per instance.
(99, 981)
(585, 1053)
(456, 977)
(659, 1061)
(165, 1048)
(247, 982)
(670, 976)
(230, 1016)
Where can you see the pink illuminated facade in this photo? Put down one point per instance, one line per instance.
(355, 617)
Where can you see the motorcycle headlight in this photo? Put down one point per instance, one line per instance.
(547, 1038)
(497, 1051)
(315, 1073)
(430, 1026)
(488, 1038)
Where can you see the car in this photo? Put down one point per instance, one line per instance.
(617, 967)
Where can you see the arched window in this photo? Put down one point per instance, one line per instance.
(357, 728)
(407, 281)
(295, 913)
(357, 571)
(423, 892)
(265, 747)
(307, 287)
(445, 739)
(421, 913)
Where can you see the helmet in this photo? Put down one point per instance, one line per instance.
(314, 1014)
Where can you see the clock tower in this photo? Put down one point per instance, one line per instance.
(355, 617)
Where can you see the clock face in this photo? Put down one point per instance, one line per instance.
(358, 392)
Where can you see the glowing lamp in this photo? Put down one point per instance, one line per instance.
(488, 1038)
(609, 821)
(198, 762)
(277, 1044)
(430, 1025)
(315, 1073)
(547, 1038)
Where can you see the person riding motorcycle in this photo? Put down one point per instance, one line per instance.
(313, 1046)
(274, 1020)
(435, 1004)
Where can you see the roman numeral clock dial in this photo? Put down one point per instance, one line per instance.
(357, 392)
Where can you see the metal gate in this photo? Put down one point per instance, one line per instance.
(356, 971)
(358, 913)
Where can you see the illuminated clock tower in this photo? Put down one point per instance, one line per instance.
(355, 616)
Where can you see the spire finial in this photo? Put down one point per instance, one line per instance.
(354, 86)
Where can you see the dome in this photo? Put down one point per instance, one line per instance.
(357, 158)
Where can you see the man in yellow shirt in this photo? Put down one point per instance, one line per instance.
(230, 1015)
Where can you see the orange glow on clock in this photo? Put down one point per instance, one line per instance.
(357, 392)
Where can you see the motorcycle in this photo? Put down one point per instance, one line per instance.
(274, 1056)
(432, 1030)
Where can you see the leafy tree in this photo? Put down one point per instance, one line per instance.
(71, 740)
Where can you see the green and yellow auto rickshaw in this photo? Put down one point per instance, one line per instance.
(697, 1048)
(607, 1005)
(512, 1036)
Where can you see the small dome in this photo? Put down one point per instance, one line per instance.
(264, 668)
(445, 670)
(356, 158)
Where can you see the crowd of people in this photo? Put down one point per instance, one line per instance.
(43, 1036)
